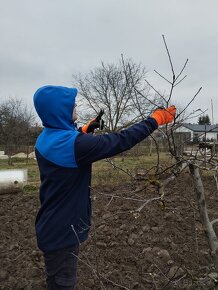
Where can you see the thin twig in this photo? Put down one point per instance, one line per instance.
(171, 64)
(162, 77)
(156, 91)
(189, 103)
(176, 84)
(181, 70)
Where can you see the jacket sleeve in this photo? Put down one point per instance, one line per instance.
(90, 148)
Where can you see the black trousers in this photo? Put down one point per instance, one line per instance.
(61, 268)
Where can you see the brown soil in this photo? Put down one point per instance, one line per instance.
(159, 249)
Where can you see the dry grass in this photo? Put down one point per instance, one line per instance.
(103, 173)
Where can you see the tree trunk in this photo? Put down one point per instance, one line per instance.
(150, 146)
(207, 224)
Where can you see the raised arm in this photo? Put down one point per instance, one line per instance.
(90, 148)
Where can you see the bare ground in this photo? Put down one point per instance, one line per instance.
(159, 249)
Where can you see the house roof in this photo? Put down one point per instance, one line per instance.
(201, 128)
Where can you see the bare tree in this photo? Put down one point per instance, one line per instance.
(125, 95)
(16, 120)
(159, 175)
(112, 87)
(195, 160)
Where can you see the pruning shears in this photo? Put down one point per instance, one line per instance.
(99, 119)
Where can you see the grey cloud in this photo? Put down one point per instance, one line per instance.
(46, 41)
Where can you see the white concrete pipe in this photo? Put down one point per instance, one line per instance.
(12, 180)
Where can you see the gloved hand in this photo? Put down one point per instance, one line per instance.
(94, 124)
(164, 116)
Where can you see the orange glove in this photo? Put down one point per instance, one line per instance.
(87, 126)
(164, 116)
(94, 124)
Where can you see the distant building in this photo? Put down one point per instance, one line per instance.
(196, 133)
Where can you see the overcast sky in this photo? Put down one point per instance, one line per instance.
(46, 41)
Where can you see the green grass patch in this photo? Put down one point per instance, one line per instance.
(23, 163)
(30, 188)
(103, 173)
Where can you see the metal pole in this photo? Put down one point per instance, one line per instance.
(212, 112)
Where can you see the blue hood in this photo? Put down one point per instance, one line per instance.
(54, 105)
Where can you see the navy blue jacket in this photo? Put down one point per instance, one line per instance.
(64, 218)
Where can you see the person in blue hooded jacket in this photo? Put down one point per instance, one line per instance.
(65, 155)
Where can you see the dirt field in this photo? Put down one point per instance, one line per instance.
(160, 249)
